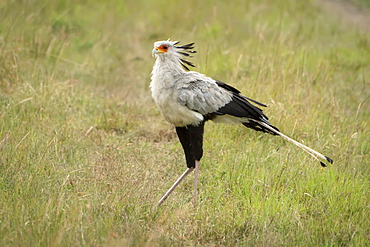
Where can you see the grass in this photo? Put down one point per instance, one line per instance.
(362, 3)
(85, 154)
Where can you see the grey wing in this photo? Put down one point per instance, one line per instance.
(202, 95)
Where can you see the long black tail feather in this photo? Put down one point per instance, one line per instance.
(316, 155)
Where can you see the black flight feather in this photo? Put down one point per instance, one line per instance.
(258, 103)
(240, 106)
(227, 87)
(234, 90)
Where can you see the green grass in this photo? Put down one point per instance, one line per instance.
(85, 154)
(363, 4)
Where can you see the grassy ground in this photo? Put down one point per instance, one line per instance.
(85, 154)
(362, 3)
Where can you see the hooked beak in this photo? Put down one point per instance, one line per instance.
(155, 51)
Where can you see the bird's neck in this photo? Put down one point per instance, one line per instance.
(165, 72)
(167, 67)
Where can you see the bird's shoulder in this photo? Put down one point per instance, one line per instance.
(198, 84)
(201, 93)
(193, 78)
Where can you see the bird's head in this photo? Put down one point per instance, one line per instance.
(170, 48)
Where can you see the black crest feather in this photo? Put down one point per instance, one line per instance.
(185, 50)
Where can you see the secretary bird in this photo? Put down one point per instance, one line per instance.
(188, 99)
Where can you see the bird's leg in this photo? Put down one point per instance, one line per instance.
(191, 139)
(178, 181)
(196, 175)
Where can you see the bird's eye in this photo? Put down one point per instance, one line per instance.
(165, 47)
